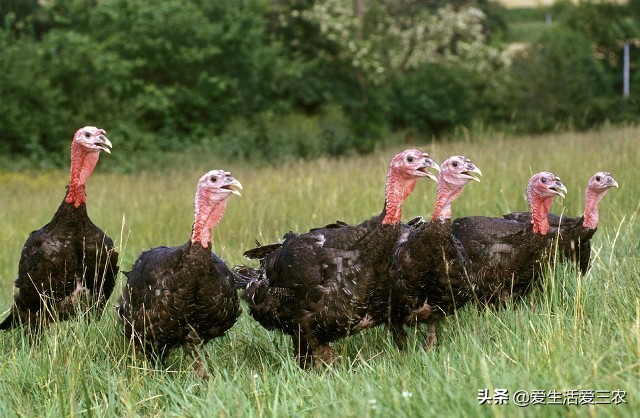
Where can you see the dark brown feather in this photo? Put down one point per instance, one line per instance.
(67, 262)
(428, 279)
(507, 257)
(316, 286)
(176, 296)
(574, 240)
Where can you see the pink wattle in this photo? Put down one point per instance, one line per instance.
(82, 164)
(539, 210)
(447, 193)
(397, 190)
(207, 215)
(591, 214)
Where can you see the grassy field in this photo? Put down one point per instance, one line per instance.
(525, 24)
(534, 3)
(525, 3)
(576, 333)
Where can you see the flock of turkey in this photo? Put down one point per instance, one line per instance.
(318, 286)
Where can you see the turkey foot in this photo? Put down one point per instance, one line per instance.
(432, 339)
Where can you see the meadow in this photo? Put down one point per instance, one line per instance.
(573, 333)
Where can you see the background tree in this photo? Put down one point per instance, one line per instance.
(558, 81)
(274, 79)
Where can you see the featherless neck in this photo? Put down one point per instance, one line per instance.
(397, 191)
(446, 195)
(591, 215)
(539, 210)
(82, 165)
(207, 216)
(546, 205)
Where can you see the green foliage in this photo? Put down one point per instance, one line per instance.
(558, 80)
(433, 99)
(525, 23)
(306, 137)
(25, 84)
(608, 25)
(164, 76)
(174, 70)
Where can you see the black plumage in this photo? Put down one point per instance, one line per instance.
(70, 263)
(574, 240)
(430, 269)
(178, 296)
(184, 295)
(508, 256)
(316, 286)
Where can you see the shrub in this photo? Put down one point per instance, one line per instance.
(558, 80)
(337, 131)
(272, 138)
(31, 105)
(432, 99)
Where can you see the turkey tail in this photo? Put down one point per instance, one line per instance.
(244, 276)
(9, 322)
(261, 251)
(337, 224)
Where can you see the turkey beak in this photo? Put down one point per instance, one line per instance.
(471, 176)
(612, 182)
(233, 186)
(429, 163)
(103, 144)
(559, 189)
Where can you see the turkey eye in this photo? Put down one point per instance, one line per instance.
(598, 178)
(87, 135)
(410, 159)
(544, 180)
(455, 164)
(213, 179)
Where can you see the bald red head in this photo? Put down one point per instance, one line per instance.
(212, 192)
(404, 171)
(455, 173)
(87, 144)
(597, 187)
(541, 190)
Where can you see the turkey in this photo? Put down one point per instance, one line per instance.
(575, 232)
(69, 263)
(429, 273)
(184, 295)
(315, 286)
(507, 256)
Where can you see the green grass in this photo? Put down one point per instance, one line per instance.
(525, 24)
(575, 333)
(525, 32)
